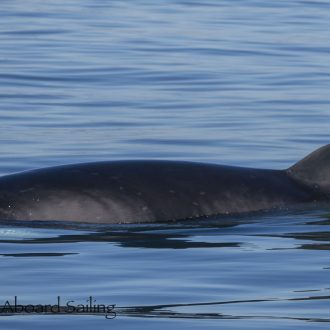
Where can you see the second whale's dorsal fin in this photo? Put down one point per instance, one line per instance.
(314, 169)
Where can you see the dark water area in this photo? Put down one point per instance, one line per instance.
(230, 82)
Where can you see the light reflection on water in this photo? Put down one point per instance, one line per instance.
(244, 269)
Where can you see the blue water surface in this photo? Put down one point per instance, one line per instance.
(233, 82)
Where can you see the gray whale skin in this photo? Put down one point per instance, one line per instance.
(141, 191)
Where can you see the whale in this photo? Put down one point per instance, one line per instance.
(147, 191)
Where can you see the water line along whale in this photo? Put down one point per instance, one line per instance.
(158, 191)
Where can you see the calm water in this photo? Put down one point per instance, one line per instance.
(235, 82)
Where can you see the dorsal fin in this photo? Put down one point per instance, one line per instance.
(314, 169)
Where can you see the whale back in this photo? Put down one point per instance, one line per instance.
(314, 170)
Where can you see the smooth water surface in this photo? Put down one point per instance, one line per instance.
(235, 82)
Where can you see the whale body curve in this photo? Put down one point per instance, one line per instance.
(140, 191)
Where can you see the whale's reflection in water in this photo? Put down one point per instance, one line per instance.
(225, 232)
(263, 267)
